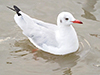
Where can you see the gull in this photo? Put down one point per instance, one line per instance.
(60, 39)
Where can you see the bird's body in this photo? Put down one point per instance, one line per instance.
(57, 39)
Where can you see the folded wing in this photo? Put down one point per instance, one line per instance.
(38, 32)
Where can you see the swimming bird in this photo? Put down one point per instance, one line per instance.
(57, 39)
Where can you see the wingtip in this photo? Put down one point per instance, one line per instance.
(17, 9)
(10, 8)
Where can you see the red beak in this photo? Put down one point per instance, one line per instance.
(77, 21)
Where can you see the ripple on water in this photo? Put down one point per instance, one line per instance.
(23, 48)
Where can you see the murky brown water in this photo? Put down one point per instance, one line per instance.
(16, 57)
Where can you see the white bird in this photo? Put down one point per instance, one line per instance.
(57, 39)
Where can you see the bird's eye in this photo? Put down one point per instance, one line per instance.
(66, 18)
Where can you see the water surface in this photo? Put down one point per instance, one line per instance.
(16, 57)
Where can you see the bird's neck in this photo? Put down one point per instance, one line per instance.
(66, 35)
(65, 29)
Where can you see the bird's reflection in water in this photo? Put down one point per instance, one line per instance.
(63, 60)
(66, 62)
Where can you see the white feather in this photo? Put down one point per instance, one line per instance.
(58, 39)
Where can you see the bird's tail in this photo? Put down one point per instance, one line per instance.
(16, 9)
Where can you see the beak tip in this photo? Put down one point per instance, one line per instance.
(77, 21)
(81, 22)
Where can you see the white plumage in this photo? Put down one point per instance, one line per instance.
(57, 39)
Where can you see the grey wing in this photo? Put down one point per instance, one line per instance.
(43, 36)
(46, 25)
(37, 31)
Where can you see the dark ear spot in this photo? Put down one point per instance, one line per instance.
(60, 21)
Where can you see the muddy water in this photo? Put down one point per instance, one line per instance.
(16, 57)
